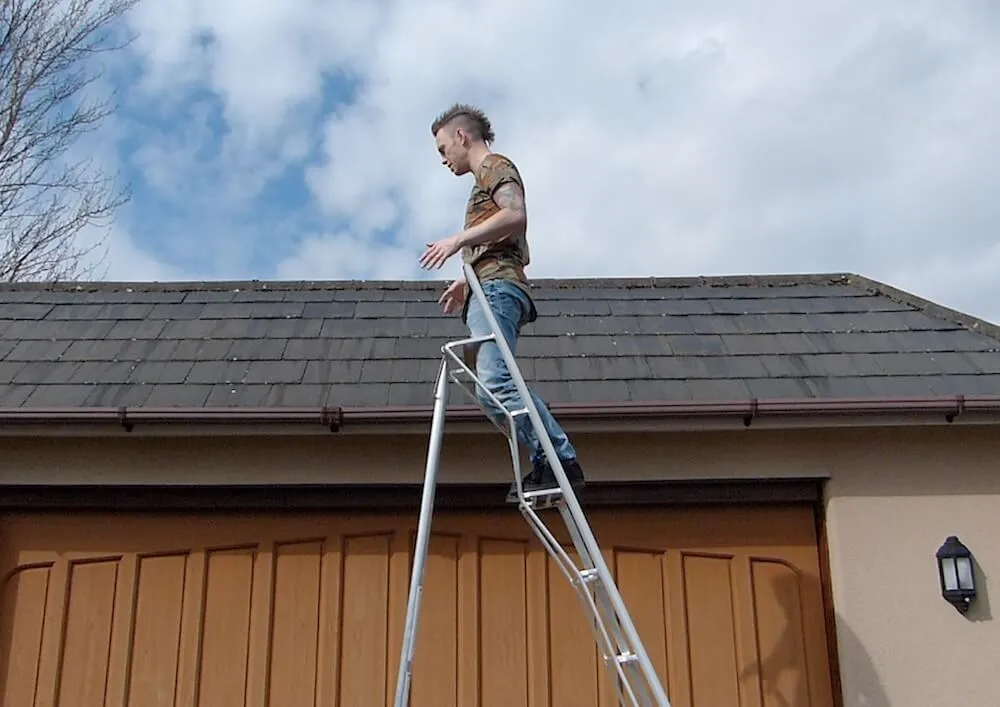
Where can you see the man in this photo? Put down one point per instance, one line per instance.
(494, 241)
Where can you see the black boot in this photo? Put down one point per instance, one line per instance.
(542, 478)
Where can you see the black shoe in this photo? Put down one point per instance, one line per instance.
(542, 478)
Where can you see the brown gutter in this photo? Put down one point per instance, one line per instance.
(327, 416)
(335, 417)
(746, 410)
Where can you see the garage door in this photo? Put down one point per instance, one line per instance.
(225, 610)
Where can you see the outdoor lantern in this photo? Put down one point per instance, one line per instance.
(958, 580)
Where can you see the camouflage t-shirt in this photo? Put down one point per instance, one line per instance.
(506, 259)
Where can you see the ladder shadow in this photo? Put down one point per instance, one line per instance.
(782, 673)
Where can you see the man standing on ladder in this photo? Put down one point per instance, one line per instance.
(494, 241)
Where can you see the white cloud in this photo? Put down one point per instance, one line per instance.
(662, 139)
(348, 255)
(116, 257)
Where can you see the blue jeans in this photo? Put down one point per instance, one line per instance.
(510, 307)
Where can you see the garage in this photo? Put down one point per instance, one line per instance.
(307, 608)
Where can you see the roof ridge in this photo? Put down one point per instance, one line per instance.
(767, 279)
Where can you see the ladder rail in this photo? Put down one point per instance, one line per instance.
(569, 498)
(411, 625)
(423, 539)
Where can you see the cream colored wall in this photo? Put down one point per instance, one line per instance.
(356, 458)
(892, 498)
(890, 506)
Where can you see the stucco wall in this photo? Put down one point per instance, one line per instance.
(893, 496)
(890, 505)
(382, 458)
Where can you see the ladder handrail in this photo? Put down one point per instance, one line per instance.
(569, 497)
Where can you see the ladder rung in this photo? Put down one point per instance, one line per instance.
(625, 658)
(471, 340)
(542, 493)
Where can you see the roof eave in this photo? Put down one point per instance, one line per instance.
(787, 412)
(811, 412)
(128, 418)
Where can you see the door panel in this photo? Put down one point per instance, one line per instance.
(309, 610)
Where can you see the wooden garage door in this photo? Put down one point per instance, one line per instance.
(308, 610)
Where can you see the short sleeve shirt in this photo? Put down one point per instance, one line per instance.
(495, 171)
(507, 259)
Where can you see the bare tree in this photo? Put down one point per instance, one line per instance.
(49, 70)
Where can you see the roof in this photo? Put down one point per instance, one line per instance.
(377, 344)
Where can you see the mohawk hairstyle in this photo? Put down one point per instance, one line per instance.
(472, 119)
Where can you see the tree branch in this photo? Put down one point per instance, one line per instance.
(48, 68)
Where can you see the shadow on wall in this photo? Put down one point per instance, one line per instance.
(783, 673)
(864, 687)
(979, 610)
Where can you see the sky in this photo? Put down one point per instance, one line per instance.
(292, 140)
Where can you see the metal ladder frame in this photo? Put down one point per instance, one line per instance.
(624, 656)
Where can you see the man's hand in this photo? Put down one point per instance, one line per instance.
(453, 299)
(439, 252)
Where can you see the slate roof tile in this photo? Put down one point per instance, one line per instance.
(353, 395)
(234, 395)
(218, 372)
(275, 371)
(189, 329)
(58, 394)
(966, 385)
(136, 329)
(654, 389)
(15, 395)
(197, 296)
(172, 394)
(34, 350)
(40, 372)
(325, 371)
(601, 391)
(716, 389)
(93, 372)
(409, 393)
(157, 372)
(117, 395)
(378, 343)
(380, 310)
(266, 349)
(686, 344)
(329, 310)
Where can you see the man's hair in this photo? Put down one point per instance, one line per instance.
(471, 119)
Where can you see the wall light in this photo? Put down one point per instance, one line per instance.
(958, 578)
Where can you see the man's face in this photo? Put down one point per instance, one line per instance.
(451, 147)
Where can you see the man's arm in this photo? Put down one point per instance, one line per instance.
(509, 220)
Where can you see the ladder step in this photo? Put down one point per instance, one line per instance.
(470, 341)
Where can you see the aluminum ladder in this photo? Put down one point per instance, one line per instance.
(629, 666)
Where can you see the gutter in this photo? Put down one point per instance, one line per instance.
(949, 407)
(330, 417)
(334, 418)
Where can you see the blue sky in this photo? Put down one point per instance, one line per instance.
(290, 140)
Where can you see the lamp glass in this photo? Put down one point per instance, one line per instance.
(949, 573)
(964, 572)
